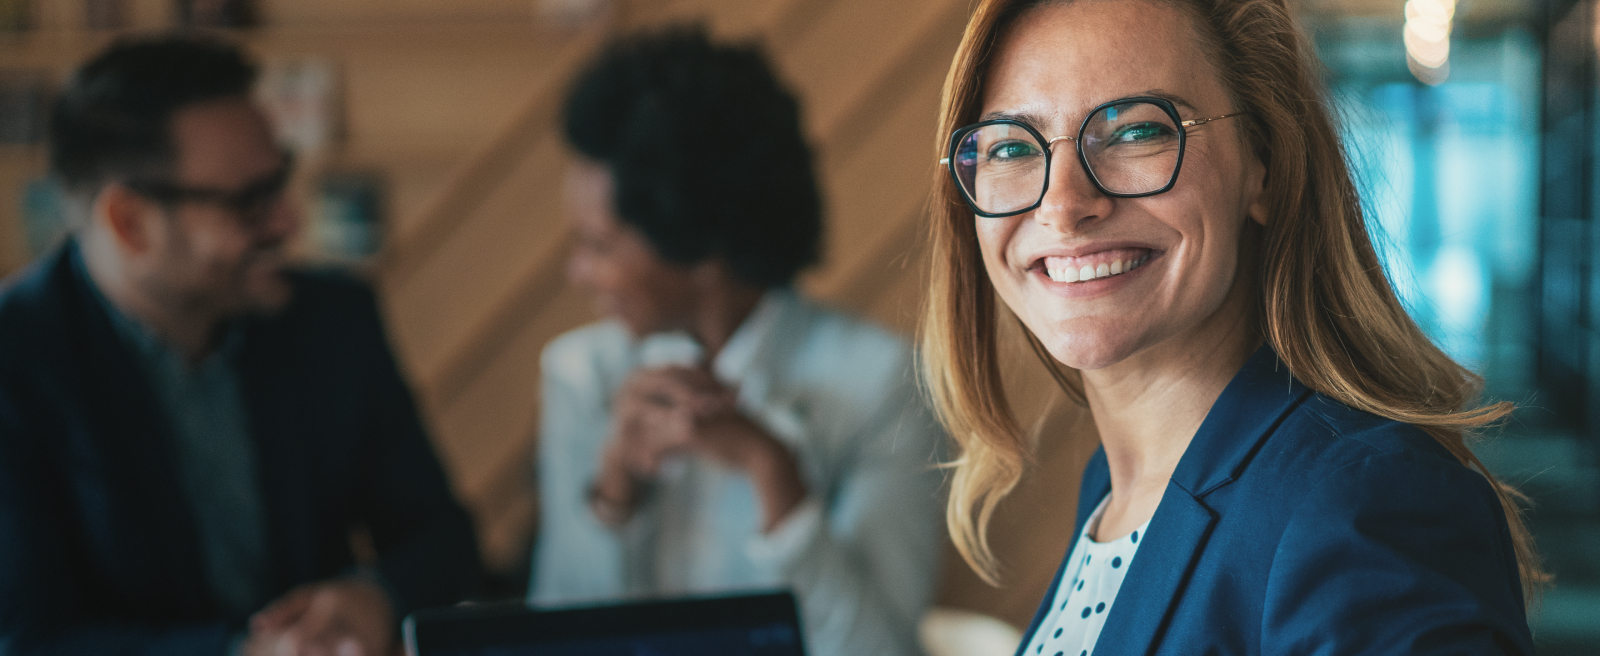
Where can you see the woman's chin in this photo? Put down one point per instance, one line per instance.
(1088, 353)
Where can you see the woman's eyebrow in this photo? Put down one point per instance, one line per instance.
(1038, 121)
(1029, 119)
(1171, 98)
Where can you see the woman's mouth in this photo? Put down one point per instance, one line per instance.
(1094, 266)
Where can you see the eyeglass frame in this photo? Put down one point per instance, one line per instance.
(243, 202)
(949, 161)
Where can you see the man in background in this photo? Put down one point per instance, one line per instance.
(190, 432)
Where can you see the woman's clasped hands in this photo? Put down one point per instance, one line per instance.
(672, 411)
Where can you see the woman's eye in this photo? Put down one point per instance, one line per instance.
(1140, 132)
(1012, 150)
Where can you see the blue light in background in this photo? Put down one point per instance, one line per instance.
(1449, 177)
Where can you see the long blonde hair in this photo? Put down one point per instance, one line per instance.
(1326, 305)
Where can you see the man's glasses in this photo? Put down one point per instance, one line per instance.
(1130, 148)
(253, 203)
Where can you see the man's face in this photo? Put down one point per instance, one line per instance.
(207, 256)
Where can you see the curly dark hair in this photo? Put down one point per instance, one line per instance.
(706, 150)
(113, 119)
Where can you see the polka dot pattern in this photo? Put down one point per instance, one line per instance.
(1089, 589)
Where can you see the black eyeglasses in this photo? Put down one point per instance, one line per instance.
(252, 204)
(1130, 148)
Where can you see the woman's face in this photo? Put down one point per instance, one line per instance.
(1053, 67)
(616, 263)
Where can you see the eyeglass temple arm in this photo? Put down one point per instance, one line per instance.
(1202, 121)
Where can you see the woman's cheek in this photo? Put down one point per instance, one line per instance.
(994, 236)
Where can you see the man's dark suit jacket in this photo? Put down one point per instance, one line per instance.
(99, 551)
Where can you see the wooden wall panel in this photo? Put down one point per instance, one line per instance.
(466, 276)
(876, 190)
(837, 55)
(734, 20)
(369, 12)
(499, 411)
(492, 429)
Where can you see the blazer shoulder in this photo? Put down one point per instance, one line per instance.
(836, 341)
(36, 313)
(331, 291)
(28, 294)
(1329, 451)
(587, 356)
(1343, 434)
(1401, 518)
(328, 306)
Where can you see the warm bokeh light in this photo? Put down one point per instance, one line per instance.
(1427, 38)
(1431, 53)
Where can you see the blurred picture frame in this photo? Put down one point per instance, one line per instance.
(348, 215)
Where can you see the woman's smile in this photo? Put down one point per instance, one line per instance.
(1086, 272)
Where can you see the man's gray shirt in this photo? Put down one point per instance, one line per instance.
(214, 454)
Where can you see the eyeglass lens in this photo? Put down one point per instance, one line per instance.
(1130, 149)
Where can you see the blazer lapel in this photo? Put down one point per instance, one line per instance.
(1156, 576)
(1247, 411)
(123, 465)
(276, 404)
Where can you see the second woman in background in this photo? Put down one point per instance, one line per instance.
(718, 431)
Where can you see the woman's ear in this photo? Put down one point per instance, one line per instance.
(1256, 190)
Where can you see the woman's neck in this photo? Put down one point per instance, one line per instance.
(1148, 407)
(723, 305)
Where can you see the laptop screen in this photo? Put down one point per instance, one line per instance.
(747, 625)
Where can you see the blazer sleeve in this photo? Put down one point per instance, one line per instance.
(1398, 553)
(427, 550)
(43, 610)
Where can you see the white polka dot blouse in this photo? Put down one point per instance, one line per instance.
(1089, 585)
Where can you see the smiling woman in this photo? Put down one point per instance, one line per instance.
(1283, 466)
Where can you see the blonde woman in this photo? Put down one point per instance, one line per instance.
(1156, 190)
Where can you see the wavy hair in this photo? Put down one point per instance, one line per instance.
(1325, 305)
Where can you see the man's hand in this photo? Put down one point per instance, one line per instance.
(346, 617)
(669, 411)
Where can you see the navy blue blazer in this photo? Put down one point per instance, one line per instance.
(1295, 524)
(99, 552)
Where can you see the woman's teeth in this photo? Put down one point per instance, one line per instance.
(1087, 273)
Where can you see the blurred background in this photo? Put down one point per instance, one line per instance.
(431, 163)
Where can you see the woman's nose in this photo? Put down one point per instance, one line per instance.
(1071, 198)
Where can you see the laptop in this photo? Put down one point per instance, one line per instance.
(742, 625)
